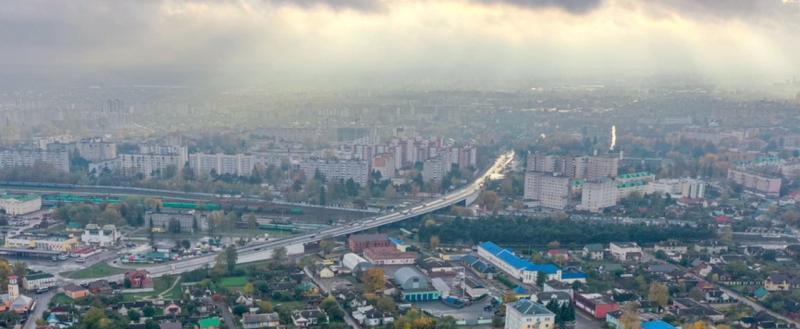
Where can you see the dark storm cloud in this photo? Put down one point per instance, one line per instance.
(570, 6)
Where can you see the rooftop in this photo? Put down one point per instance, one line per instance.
(515, 261)
(528, 307)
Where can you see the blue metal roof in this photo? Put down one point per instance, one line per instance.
(573, 275)
(508, 257)
(657, 324)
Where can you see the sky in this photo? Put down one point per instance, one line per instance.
(296, 41)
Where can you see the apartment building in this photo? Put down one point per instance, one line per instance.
(222, 164)
(598, 195)
(334, 170)
(27, 158)
(550, 190)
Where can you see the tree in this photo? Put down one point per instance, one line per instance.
(231, 256)
(249, 289)
(149, 311)
(279, 254)
(327, 246)
(252, 223)
(390, 192)
(174, 226)
(373, 279)
(134, 315)
(699, 324)
(20, 269)
(659, 294)
(127, 283)
(541, 278)
(415, 319)
(630, 317)
(265, 306)
(434, 241)
(385, 304)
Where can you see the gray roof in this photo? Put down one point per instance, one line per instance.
(409, 278)
(528, 307)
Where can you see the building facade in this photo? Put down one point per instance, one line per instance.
(527, 314)
(551, 191)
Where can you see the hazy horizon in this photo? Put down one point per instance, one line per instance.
(359, 42)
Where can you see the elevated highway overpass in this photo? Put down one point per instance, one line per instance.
(261, 251)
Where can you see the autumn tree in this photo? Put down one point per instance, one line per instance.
(658, 293)
(373, 279)
(630, 317)
(434, 241)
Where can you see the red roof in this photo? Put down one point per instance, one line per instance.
(722, 219)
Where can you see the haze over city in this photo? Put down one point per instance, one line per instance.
(400, 164)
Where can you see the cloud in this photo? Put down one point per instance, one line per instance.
(570, 6)
(361, 5)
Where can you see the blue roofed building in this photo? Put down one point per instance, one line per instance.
(522, 269)
(656, 324)
(573, 276)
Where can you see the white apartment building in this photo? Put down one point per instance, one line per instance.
(679, 188)
(434, 169)
(550, 190)
(527, 314)
(336, 170)
(95, 149)
(106, 236)
(20, 204)
(221, 164)
(151, 160)
(27, 158)
(625, 251)
(598, 195)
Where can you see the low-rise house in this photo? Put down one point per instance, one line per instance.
(376, 318)
(595, 304)
(139, 279)
(560, 297)
(259, 321)
(309, 317)
(326, 273)
(711, 247)
(691, 310)
(389, 256)
(672, 246)
(781, 282)
(717, 296)
(625, 251)
(100, 287)
(558, 286)
(593, 251)
(75, 291)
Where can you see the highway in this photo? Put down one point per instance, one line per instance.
(263, 250)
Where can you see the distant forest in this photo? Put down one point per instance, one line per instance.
(528, 231)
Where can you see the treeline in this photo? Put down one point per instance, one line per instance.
(529, 231)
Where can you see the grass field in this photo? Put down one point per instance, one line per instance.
(233, 281)
(62, 299)
(95, 271)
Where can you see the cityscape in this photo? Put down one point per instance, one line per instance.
(405, 164)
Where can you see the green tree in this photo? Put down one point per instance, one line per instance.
(279, 254)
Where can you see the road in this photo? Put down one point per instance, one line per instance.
(41, 305)
(261, 251)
